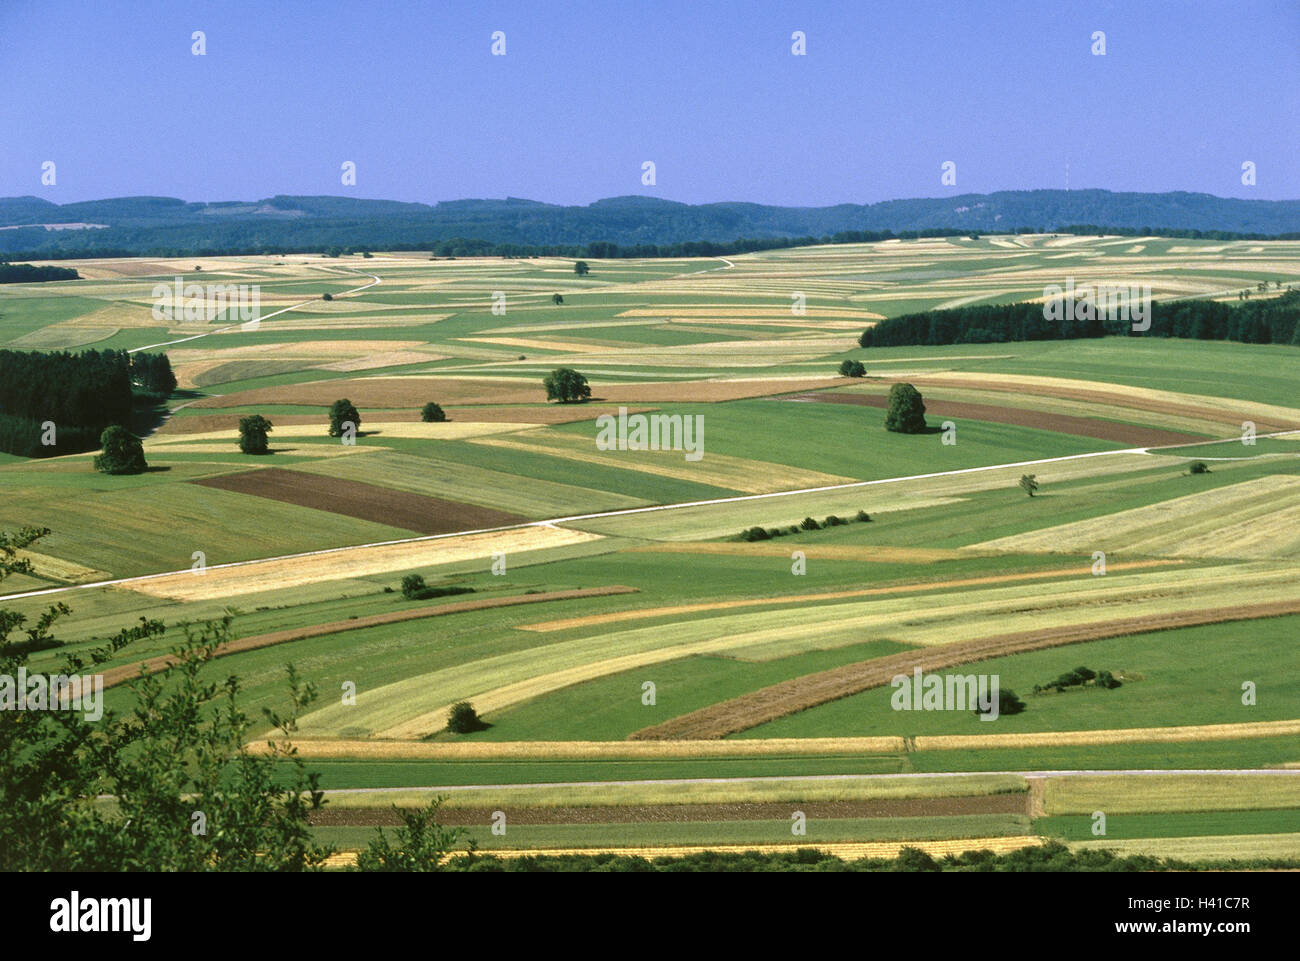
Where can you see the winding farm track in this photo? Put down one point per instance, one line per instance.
(256, 321)
(600, 515)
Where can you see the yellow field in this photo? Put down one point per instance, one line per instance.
(1254, 519)
(259, 576)
(1128, 735)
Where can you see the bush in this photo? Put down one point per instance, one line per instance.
(862, 516)
(852, 368)
(810, 525)
(463, 719)
(431, 413)
(1028, 484)
(1198, 467)
(327, 296)
(755, 534)
(833, 521)
(413, 586)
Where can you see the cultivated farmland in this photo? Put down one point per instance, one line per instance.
(640, 669)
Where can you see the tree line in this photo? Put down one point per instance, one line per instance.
(1273, 321)
(28, 273)
(78, 394)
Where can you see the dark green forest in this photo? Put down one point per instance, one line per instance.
(79, 394)
(1266, 321)
(634, 226)
(27, 273)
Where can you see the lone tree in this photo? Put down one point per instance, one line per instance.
(852, 368)
(565, 385)
(431, 413)
(581, 269)
(342, 412)
(1028, 484)
(557, 299)
(123, 452)
(252, 434)
(413, 587)
(906, 414)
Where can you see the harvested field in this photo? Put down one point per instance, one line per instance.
(788, 697)
(1130, 435)
(383, 505)
(672, 813)
(1131, 735)
(1254, 519)
(554, 414)
(389, 750)
(380, 392)
(345, 562)
(569, 623)
(1230, 412)
(117, 675)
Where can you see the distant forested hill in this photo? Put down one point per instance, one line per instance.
(165, 225)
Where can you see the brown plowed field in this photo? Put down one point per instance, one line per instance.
(369, 502)
(380, 392)
(670, 813)
(117, 675)
(801, 693)
(1130, 435)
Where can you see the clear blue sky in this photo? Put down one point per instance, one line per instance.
(709, 91)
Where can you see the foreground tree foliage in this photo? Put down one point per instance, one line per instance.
(1052, 856)
(123, 452)
(420, 844)
(906, 412)
(168, 786)
(252, 434)
(566, 385)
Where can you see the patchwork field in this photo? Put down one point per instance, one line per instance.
(645, 678)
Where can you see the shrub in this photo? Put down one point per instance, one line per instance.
(809, 524)
(1028, 484)
(327, 296)
(431, 413)
(833, 521)
(852, 368)
(862, 516)
(754, 534)
(413, 586)
(1198, 467)
(463, 719)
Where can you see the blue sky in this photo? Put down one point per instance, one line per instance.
(587, 91)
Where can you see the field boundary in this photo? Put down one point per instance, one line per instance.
(798, 694)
